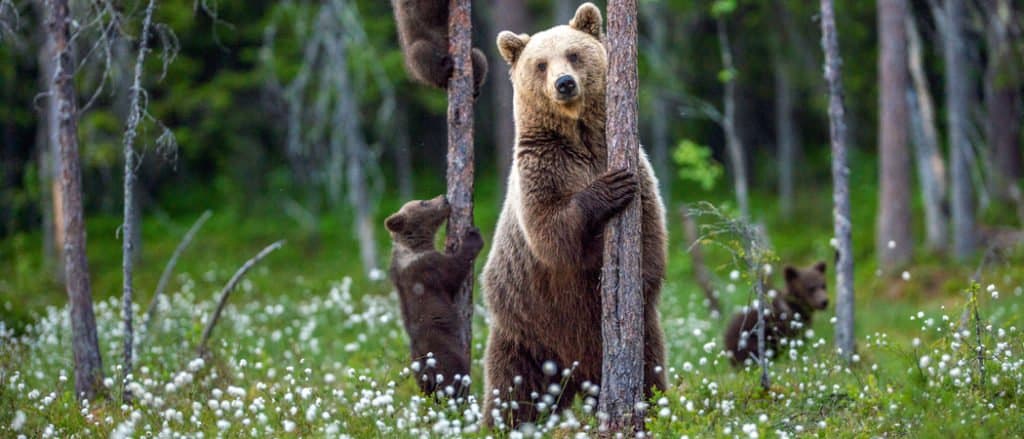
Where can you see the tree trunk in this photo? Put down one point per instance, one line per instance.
(840, 183)
(507, 14)
(893, 237)
(1003, 97)
(48, 153)
(85, 346)
(734, 145)
(622, 307)
(785, 129)
(957, 101)
(460, 153)
(931, 168)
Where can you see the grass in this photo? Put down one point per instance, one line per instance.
(309, 346)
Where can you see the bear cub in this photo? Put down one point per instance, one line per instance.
(423, 35)
(787, 314)
(427, 281)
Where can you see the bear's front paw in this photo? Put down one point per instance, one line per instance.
(617, 188)
(472, 242)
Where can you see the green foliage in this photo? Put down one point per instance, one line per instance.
(721, 8)
(696, 164)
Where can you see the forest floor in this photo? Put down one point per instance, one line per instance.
(310, 347)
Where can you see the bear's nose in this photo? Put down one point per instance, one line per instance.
(566, 85)
(824, 304)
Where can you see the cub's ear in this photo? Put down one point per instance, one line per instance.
(820, 266)
(587, 19)
(395, 223)
(510, 45)
(791, 273)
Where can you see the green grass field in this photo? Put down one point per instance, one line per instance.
(310, 346)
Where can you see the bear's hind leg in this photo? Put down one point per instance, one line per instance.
(479, 70)
(517, 373)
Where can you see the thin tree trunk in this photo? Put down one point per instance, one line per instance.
(893, 237)
(1003, 97)
(840, 183)
(84, 342)
(734, 145)
(507, 14)
(785, 129)
(957, 101)
(622, 308)
(700, 270)
(48, 151)
(460, 153)
(131, 222)
(931, 168)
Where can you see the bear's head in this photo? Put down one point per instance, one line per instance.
(561, 69)
(807, 286)
(415, 224)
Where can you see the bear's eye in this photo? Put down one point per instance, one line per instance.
(541, 67)
(573, 57)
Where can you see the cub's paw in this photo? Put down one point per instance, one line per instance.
(472, 242)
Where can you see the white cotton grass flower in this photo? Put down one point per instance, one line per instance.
(19, 420)
(734, 275)
(906, 276)
(892, 244)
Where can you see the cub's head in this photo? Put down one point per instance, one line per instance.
(808, 285)
(415, 224)
(561, 68)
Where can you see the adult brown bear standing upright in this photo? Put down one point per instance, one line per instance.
(542, 277)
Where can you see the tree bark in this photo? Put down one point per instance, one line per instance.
(734, 145)
(957, 101)
(1003, 97)
(84, 343)
(840, 183)
(893, 237)
(622, 312)
(460, 153)
(507, 15)
(931, 168)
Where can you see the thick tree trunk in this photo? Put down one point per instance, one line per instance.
(507, 14)
(957, 100)
(1003, 98)
(84, 343)
(840, 183)
(622, 308)
(893, 237)
(931, 168)
(460, 153)
(734, 145)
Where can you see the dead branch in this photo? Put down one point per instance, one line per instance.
(166, 275)
(201, 349)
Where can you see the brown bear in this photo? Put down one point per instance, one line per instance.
(789, 312)
(542, 277)
(423, 34)
(427, 281)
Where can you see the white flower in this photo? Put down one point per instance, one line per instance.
(223, 424)
(19, 420)
(892, 244)
(924, 362)
(549, 368)
(288, 426)
(906, 275)
(734, 275)
(709, 346)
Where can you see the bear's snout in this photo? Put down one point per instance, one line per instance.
(566, 87)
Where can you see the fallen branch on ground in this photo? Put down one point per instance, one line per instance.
(166, 276)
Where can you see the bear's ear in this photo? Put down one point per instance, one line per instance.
(820, 266)
(791, 273)
(511, 45)
(587, 19)
(395, 223)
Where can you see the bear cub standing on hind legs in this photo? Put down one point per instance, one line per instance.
(427, 281)
(423, 35)
(788, 313)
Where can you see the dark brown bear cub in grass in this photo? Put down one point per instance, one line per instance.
(542, 277)
(423, 35)
(787, 315)
(427, 281)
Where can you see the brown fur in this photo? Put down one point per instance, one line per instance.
(542, 277)
(423, 34)
(427, 281)
(788, 314)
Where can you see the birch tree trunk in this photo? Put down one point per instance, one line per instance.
(840, 183)
(931, 168)
(734, 145)
(622, 312)
(84, 342)
(460, 153)
(893, 237)
(957, 101)
(507, 14)
(131, 222)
